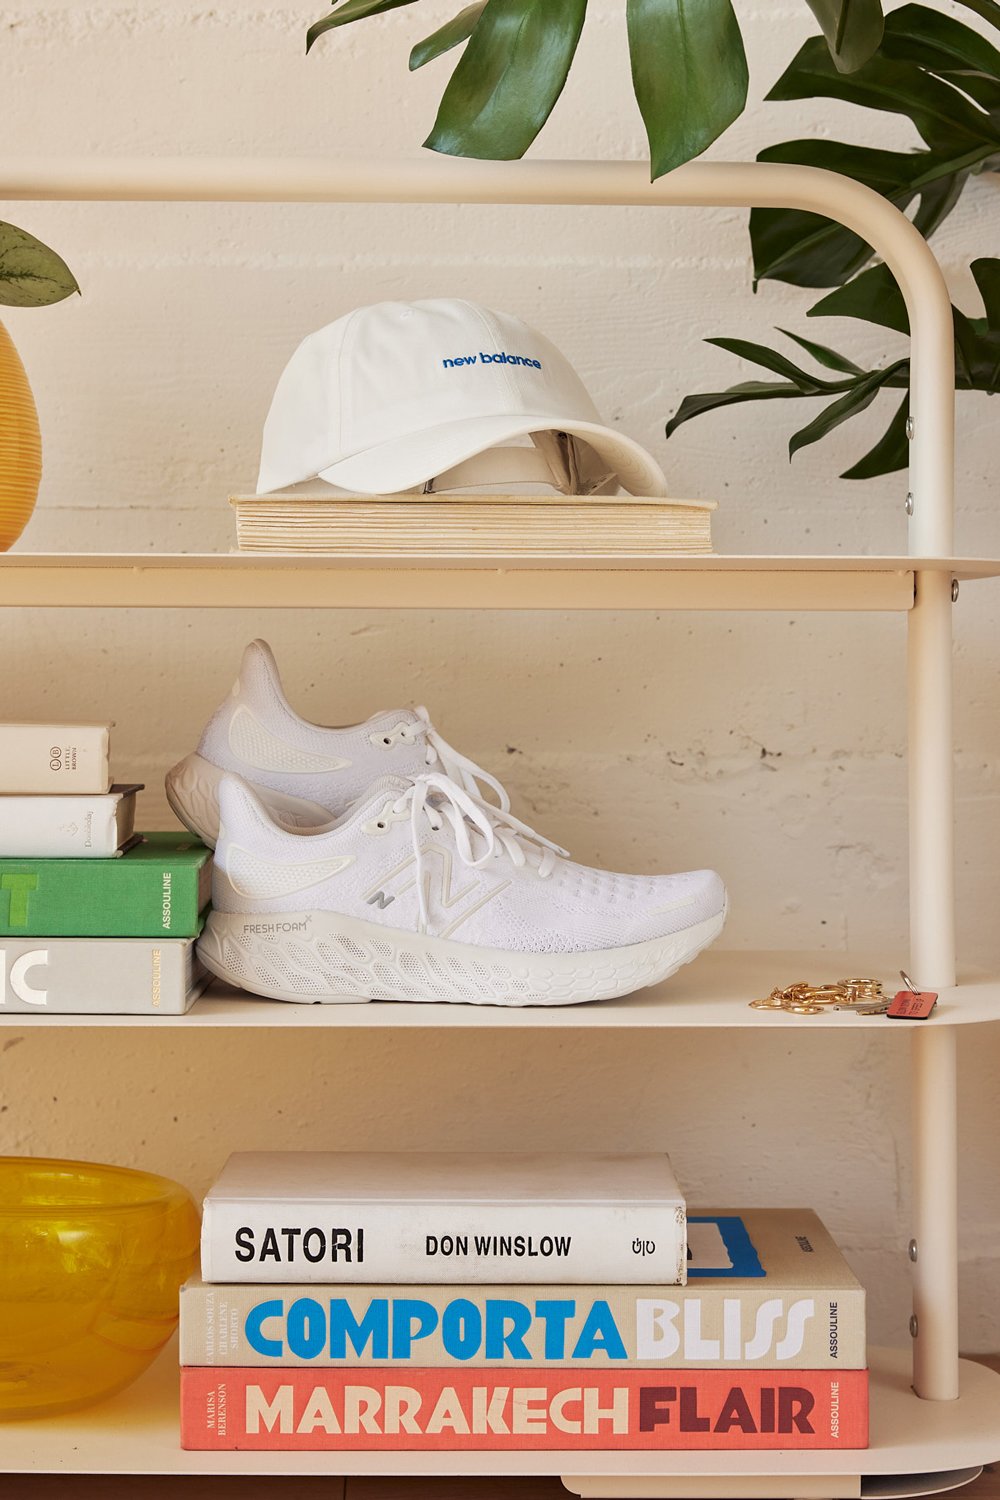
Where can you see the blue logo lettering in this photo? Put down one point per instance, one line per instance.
(491, 359)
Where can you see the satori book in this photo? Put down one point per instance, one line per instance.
(806, 1310)
(55, 757)
(71, 825)
(471, 525)
(440, 1217)
(466, 1410)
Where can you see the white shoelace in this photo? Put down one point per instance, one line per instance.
(434, 796)
(458, 767)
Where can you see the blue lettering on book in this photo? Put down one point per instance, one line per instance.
(490, 359)
(310, 1329)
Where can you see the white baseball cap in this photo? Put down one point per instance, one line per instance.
(436, 394)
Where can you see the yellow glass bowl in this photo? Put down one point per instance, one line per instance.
(91, 1262)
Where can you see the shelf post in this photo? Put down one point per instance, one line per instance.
(935, 1213)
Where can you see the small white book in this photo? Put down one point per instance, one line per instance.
(318, 1216)
(68, 826)
(55, 757)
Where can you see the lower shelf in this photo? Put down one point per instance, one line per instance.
(136, 1433)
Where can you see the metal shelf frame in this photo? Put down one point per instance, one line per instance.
(929, 506)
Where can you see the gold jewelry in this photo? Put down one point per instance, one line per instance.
(863, 996)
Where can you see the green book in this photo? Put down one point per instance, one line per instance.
(158, 888)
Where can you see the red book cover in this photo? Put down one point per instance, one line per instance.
(559, 1409)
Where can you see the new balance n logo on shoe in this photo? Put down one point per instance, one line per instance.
(449, 901)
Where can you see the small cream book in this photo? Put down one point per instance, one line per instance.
(54, 758)
(472, 525)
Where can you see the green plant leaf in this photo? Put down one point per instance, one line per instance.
(31, 275)
(352, 10)
(852, 28)
(689, 71)
(849, 404)
(873, 296)
(452, 34)
(986, 272)
(945, 118)
(890, 453)
(806, 249)
(988, 9)
(916, 33)
(508, 78)
(824, 356)
(747, 390)
(770, 359)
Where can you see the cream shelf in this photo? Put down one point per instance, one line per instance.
(712, 992)
(136, 1433)
(935, 1418)
(281, 580)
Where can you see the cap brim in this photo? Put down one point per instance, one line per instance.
(413, 459)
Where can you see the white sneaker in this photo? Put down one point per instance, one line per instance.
(304, 773)
(422, 892)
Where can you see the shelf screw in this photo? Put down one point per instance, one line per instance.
(909, 503)
(911, 1249)
(913, 1326)
(954, 591)
(909, 428)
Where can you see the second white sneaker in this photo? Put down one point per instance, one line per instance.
(305, 773)
(423, 892)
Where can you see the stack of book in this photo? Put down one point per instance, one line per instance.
(95, 918)
(560, 1302)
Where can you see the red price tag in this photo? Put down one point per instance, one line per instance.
(909, 1005)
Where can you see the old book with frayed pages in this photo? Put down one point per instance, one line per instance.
(472, 525)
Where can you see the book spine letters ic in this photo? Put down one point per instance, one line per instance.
(523, 1328)
(440, 1243)
(466, 1410)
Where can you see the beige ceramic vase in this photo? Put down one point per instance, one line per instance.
(20, 445)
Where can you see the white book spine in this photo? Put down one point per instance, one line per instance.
(354, 1243)
(65, 827)
(55, 758)
(99, 976)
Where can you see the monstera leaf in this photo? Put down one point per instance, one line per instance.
(931, 68)
(689, 68)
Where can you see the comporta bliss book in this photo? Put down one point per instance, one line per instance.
(71, 825)
(796, 1304)
(158, 887)
(55, 757)
(466, 1410)
(441, 1217)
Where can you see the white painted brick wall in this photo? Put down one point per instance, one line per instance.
(771, 748)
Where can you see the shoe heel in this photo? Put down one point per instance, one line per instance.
(273, 955)
(192, 788)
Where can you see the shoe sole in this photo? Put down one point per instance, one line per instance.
(192, 788)
(324, 959)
